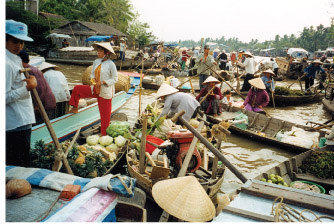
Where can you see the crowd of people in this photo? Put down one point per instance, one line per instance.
(51, 85)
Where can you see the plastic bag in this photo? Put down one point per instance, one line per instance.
(165, 127)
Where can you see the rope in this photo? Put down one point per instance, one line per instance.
(283, 212)
(59, 155)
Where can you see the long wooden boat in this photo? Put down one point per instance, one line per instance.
(284, 100)
(262, 128)
(262, 194)
(66, 125)
(328, 103)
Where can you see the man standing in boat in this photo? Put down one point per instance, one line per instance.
(122, 47)
(19, 108)
(204, 61)
(223, 60)
(311, 71)
(257, 97)
(249, 64)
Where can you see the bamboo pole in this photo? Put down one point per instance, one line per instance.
(143, 145)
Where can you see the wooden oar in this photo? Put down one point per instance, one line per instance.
(299, 79)
(200, 102)
(60, 154)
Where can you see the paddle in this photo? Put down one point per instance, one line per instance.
(59, 154)
(299, 79)
(210, 91)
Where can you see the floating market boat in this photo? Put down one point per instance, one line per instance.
(66, 125)
(328, 102)
(151, 84)
(255, 200)
(269, 130)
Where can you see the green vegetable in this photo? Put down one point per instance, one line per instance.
(120, 141)
(113, 148)
(105, 140)
(92, 140)
(320, 164)
(116, 128)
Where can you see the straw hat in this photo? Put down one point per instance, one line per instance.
(46, 65)
(317, 62)
(184, 198)
(197, 48)
(165, 90)
(248, 53)
(107, 46)
(211, 79)
(257, 83)
(269, 71)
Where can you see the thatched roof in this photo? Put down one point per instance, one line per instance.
(58, 19)
(88, 29)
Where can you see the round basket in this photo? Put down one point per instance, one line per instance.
(86, 75)
(322, 190)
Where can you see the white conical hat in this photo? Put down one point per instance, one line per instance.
(269, 71)
(317, 61)
(248, 53)
(46, 65)
(184, 198)
(257, 83)
(211, 79)
(165, 90)
(107, 46)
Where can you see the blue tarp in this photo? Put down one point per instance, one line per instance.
(170, 44)
(98, 38)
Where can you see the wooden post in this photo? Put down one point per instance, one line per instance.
(143, 145)
(215, 161)
(50, 128)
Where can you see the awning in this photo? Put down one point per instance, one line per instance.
(98, 38)
(58, 35)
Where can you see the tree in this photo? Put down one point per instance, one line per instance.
(138, 32)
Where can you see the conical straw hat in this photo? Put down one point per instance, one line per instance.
(165, 90)
(269, 71)
(107, 46)
(248, 53)
(211, 79)
(184, 198)
(257, 83)
(316, 62)
(46, 65)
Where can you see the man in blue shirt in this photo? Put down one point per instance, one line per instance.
(311, 71)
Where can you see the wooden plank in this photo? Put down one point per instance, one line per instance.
(254, 120)
(249, 214)
(266, 125)
(288, 167)
(309, 200)
(315, 179)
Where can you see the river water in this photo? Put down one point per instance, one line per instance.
(249, 157)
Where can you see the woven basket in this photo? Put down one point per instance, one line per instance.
(122, 84)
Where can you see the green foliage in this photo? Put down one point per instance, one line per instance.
(320, 164)
(42, 156)
(279, 90)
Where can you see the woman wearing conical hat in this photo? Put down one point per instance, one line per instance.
(257, 97)
(176, 101)
(211, 103)
(103, 79)
(268, 80)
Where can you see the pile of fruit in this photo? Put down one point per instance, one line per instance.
(275, 179)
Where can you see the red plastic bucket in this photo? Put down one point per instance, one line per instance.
(150, 148)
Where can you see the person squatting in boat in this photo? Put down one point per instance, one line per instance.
(103, 79)
(257, 97)
(213, 96)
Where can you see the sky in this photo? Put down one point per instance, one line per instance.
(175, 20)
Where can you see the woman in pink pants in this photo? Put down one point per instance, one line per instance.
(103, 79)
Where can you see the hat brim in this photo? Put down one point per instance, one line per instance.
(21, 37)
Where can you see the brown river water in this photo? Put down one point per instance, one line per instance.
(250, 157)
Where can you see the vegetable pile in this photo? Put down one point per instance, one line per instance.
(275, 179)
(320, 164)
(279, 90)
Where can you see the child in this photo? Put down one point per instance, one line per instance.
(227, 98)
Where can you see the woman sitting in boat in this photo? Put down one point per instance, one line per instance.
(103, 79)
(268, 80)
(176, 101)
(257, 97)
(210, 104)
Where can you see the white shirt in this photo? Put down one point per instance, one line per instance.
(121, 47)
(58, 84)
(249, 65)
(108, 74)
(274, 64)
(226, 101)
(19, 108)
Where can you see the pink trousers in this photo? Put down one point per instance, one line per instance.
(84, 91)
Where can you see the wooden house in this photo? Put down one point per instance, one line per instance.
(80, 31)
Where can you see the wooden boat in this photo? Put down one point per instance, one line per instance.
(210, 185)
(263, 194)
(66, 125)
(284, 100)
(262, 128)
(328, 102)
(151, 84)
